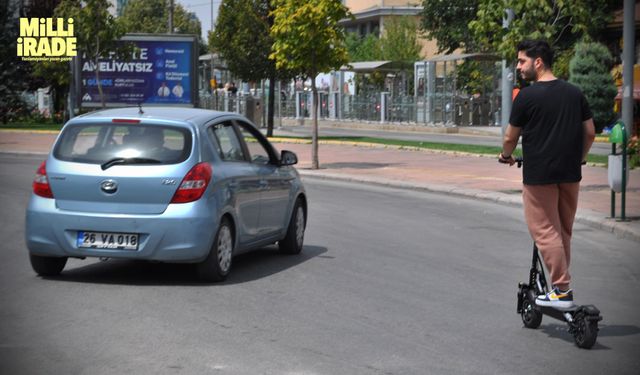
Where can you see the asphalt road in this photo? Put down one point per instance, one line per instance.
(463, 139)
(389, 282)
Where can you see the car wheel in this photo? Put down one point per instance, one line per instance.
(293, 241)
(217, 265)
(47, 266)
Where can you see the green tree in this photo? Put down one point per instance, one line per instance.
(242, 38)
(11, 67)
(399, 41)
(52, 74)
(365, 48)
(589, 70)
(560, 22)
(447, 22)
(57, 76)
(96, 31)
(309, 40)
(152, 16)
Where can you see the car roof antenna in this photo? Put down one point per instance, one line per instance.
(140, 111)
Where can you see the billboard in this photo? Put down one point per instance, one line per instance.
(162, 71)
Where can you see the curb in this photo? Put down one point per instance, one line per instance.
(304, 141)
(583, 217)
(413, 128)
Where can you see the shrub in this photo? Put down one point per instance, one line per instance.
(589, 70)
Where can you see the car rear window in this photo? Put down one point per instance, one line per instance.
(97, 144)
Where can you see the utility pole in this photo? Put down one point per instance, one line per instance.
(628, 53)
(507, 78)
(171, 16)
(213, 74)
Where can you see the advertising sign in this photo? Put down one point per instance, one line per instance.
(162, 71)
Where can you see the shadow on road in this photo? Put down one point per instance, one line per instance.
(618, 330)
(247, 267)
(559, 331)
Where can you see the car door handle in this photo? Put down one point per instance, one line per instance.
(232, 185)
(264, 185)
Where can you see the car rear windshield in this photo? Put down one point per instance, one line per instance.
(98, 144)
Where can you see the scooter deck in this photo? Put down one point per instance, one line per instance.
(590, 311)
(558, 313)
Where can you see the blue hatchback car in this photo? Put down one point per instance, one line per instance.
(173, 185)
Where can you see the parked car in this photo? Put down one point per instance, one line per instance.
(163, 184)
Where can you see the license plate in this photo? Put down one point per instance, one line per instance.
(102, 240)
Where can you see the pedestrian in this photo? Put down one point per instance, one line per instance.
(233, 89)
(557, 130)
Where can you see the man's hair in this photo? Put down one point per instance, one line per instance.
(537, 48)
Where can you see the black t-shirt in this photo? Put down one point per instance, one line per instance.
(551, 114)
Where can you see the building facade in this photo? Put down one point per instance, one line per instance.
(370, 17)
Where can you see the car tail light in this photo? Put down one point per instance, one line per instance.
(41, 182)
(193, 184)
(125, 121)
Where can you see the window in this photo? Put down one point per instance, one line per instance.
(227, 143)
(257, 151)
(97, 144)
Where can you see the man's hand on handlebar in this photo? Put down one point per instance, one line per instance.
(506, 160)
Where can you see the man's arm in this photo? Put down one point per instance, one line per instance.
(509, 143)
(589, 136)
(510, 140)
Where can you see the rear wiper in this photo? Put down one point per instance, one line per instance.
(124, 161)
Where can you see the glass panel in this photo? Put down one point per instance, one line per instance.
(97, 144)
(257, 151)
(228, 145)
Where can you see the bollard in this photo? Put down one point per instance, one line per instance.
(619, 135)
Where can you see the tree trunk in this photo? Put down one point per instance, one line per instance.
(272, 100)
(315, 164)
(97, 62)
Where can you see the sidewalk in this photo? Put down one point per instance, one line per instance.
(443, 172)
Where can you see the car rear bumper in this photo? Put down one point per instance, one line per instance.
(183, 233)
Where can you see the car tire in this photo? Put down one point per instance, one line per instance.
(292, 243)
(47, 266)
(217, 265)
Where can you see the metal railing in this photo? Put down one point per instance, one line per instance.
(226, 103)
(379, 107)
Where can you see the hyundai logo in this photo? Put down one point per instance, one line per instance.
(109, 186)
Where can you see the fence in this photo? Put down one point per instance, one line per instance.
(381, 107)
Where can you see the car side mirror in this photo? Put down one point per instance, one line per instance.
(288, 158)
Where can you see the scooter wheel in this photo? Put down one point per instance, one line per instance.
(586, 332)
(531, 316)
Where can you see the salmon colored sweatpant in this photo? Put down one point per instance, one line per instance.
(549, 211)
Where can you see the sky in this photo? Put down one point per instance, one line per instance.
(202, 9)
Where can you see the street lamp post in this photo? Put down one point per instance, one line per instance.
(507, 79)
(628, 53)
(170, 16)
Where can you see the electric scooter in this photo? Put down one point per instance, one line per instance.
(581, 320)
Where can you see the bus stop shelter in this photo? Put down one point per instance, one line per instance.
(440, 99)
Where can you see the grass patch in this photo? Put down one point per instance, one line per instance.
(31, 126)
(453, 147)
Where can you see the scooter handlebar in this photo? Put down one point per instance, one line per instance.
(519, 160)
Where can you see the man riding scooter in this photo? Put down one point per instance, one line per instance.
(557, 131)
